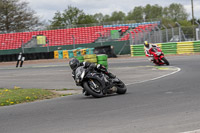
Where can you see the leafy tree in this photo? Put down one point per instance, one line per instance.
(85, 19)
(106, 18)
(175, 12)
(156, 11)
(147, 11)
(166, 22)
(185, 22)
(71, 15)
(117, 16)
(170, 14)
(57, 20)
(16, 16)
(99, 17)
(135, 14)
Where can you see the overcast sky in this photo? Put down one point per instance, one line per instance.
(46, 9)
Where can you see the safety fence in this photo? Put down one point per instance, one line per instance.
(170, 48)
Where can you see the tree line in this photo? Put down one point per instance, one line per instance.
(15, 15)
(74, 16)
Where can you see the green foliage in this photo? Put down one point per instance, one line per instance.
(57, 20)
(169, 15)
(18, 95)
(117, 16)
(99, 17)
(175, 12)
(71, 16)
(16, 16)
(84, 19)
(135, 14)
(168, 22)
(185, 22)
(154, 11)
(106, 18)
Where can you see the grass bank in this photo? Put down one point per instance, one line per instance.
(18, 95)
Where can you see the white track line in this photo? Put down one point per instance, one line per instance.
(195, 131)
(178, 69)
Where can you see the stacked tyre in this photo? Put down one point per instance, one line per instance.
(92, 58)
(102, 59)
(80, 58)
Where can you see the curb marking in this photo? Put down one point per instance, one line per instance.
(178, 69)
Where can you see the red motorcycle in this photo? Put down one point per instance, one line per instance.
(158, 56)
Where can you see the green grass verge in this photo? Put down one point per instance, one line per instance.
(18, 95)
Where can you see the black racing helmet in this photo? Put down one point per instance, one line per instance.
(74, 63)
(146, 44)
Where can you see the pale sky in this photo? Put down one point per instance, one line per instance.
(46, 9)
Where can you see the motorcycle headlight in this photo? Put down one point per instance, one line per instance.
(158, 53)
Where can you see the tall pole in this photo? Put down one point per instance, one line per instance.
(192, 16)
(172, 30)
(192, 12)
(179, 29)
(166, 30)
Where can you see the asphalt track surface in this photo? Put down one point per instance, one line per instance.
(169, 104)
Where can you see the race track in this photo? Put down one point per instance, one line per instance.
(169, 104)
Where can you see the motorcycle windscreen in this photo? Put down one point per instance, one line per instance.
(79, 71)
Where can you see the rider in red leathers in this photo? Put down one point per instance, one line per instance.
(148, 48)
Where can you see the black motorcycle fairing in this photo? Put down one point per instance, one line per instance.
(97, 84)
(97, 77)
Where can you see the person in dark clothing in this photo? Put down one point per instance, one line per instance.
(74, 64)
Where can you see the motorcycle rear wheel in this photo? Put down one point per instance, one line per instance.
(121, 87)
(95, 91)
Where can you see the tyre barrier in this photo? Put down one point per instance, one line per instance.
(103, 60)
(80, 58)
(90, 51)
(91, 58)
(102, 57)
(67, 54)
(104, 63)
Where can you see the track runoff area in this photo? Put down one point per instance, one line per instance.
(130, 71)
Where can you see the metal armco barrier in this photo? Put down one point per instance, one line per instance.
(137, 50)
(169, 48)
(185, 48)
(197, 47)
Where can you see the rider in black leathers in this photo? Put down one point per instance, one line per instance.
(74, 64)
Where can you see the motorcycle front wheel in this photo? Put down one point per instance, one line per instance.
(94, 88)
(165, 61)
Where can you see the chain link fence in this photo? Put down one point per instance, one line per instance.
(162, 34)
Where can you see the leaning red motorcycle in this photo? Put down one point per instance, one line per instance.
(158, 56)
